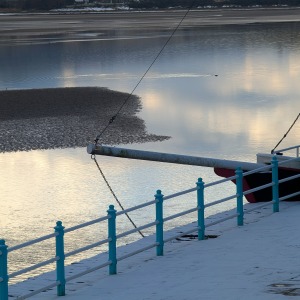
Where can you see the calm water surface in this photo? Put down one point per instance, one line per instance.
(225, 92)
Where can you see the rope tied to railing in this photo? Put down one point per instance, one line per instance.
(114, 195)
(285, 135)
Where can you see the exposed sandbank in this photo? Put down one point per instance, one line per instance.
(68, 117)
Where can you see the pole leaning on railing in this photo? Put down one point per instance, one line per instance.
(171, 158)
(3, 271)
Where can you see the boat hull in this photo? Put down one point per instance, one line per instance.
(258, 179)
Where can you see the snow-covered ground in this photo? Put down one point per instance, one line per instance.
(259, 260)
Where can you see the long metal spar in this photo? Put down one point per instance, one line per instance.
(171, 158)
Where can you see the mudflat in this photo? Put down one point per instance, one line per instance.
(68, 117)
(71, 117)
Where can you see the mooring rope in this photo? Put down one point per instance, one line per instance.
(114, 195)
(285, 135)
(112, 119)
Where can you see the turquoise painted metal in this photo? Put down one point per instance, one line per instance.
(200, 204)
(3, 271)
(112, 237)
(112, 244)
(239, 197)
(275, 187)
(160, 223)
(60, 263)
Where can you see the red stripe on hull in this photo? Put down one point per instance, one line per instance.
(259, 179)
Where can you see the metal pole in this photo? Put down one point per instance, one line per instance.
(60, 263)
(3, 271)
(160, 223)
(200, 203)
(171, 158)
(112, 244)
(239, 197)
(275, 187)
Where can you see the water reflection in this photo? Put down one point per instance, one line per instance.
(243, 110)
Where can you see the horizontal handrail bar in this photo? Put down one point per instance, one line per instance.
(87, 247)
(222, 220)
(180, 214)
(220, 181)
(136, 207)
(289, 178)
(86, 224)
(181, 234)
(257, 170)
(258, 207)
(36, 266)
(219, 201)
(180, 193)
(282, 162)
(258, 188)
(289, 148)
(88, 271)
(289, 196)
(52, 285)
(137, 251)
(249, 169)
(136, 229)
(29, 243)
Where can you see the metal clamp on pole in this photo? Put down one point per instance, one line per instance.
(91, 148)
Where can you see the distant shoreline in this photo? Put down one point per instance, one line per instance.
(68, 118)
(104, 24)
(121, 9)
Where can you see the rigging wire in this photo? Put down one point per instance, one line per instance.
(285, 135)
(112, 119)
(145, 73)
(107, 183)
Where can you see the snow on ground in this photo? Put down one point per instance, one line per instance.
(259, 260)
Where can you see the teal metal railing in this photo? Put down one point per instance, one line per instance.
(297, 147)
(158, 223)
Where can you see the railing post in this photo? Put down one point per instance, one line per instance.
(112, 244)
(275, 187)
(3, 271)
(239, 197)
(60, 263)
(160, 223)
(200, 205)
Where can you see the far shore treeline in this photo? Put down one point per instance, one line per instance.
(25, 5)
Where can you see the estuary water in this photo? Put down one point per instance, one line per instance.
(226, 92)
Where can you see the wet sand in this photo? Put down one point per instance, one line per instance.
(68, 117)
